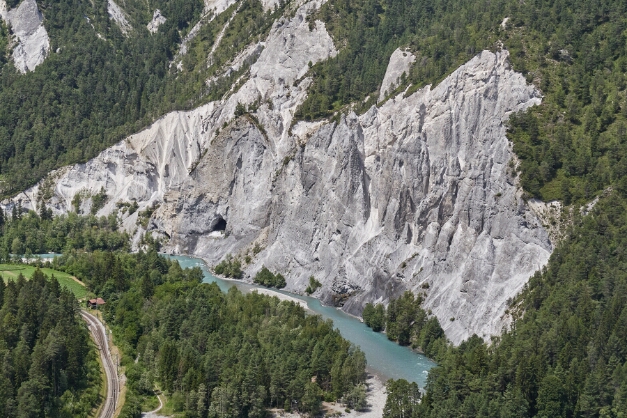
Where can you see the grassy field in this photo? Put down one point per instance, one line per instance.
(11, 271)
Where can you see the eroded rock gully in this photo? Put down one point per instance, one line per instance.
(413, 193)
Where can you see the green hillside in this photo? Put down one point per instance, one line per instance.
(566, 354)
(50, 366)
(571, 147)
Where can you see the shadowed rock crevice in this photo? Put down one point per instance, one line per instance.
(219, 225)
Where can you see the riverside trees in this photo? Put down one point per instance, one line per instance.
(266, 278)
(406, 322)
(566, 353)
(229, 354)
(215, 354)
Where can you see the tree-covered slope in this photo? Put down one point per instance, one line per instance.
(95, 86)
(214, 354)
(99, 85)
(49, 365)
(570, 147)
(211, 354)
(32, 233)
(566, 355)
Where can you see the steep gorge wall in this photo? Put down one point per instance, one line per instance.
(411, 193)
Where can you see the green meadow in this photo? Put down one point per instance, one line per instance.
(12, 271)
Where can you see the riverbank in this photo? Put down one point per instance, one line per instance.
(252, 287)
(385, 358)
(282, 297)
(375, 399)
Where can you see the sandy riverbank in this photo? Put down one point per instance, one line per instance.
(262, 290)
(282, 297)
(376, 397)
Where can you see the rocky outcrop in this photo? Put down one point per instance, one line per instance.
(212, 9)
(119, 17)
(412, 195)
(400, 63)
(33, 44)
(157, 20)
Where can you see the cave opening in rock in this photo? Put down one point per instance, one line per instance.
(220, 225)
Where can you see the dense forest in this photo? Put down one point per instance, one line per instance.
(571, 147)
(215, 354)
(49, 365)
(92, 91)
(38, 233)
(212, 354)
(566, 354)
(99, 85)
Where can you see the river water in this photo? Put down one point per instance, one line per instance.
(386, 359)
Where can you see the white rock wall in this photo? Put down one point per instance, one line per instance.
(119, 17)
(33, 44)
(400, 62)
(157, 20)
(411, 193)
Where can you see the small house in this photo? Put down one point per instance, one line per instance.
(95, 303)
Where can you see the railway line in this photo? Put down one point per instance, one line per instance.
(99, 334)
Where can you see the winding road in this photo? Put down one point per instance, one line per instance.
(99, 333)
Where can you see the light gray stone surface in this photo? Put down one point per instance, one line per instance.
(400, 62)
(411, 193)
(33, 44)
(157, 20)
(119, 17)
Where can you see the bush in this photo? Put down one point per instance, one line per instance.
(313, 285)
(266, 278)
(356, 397)
(229, 267)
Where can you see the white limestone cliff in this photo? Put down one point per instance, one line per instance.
(33, 44)
(400, 62)
(412, 195)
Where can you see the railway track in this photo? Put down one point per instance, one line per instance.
(99, 334)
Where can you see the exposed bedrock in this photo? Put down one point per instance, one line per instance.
(411, 193)
(32, 43)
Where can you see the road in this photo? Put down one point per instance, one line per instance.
(99, 333)
(153, 414)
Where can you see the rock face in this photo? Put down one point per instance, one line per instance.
(157, 20)
(400, 62)
(212, 8)
(119, 17)
(33, 44)
(412, 195)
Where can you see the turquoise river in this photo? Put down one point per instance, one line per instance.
(385, 358)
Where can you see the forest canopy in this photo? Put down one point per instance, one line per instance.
(49, 365)
(209, 350)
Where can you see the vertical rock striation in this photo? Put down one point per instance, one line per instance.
(414, 194)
